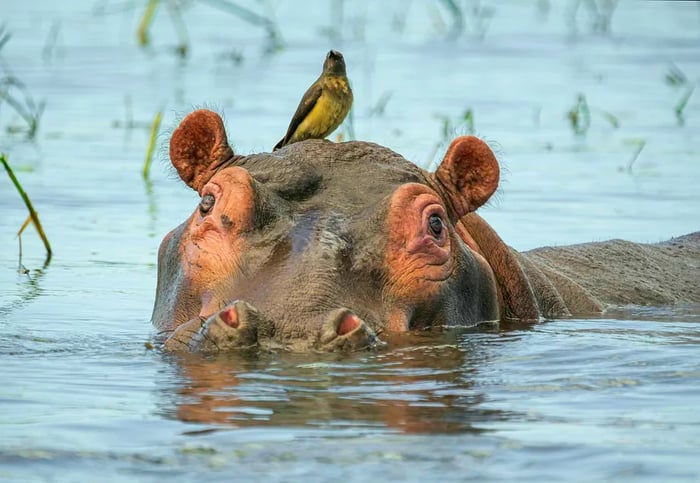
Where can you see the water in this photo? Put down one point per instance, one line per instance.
(612, 398)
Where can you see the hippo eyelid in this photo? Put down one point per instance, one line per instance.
(206, 203)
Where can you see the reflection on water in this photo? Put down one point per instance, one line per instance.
(454, 381)
(415, 389)
(30, 289)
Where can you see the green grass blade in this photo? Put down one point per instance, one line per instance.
(24, 225)
(145, 24)
(682, 102)
(155, 127)
(30, 207)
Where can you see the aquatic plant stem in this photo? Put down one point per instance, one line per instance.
(24, 225)
(30, 207)
(155, 127)
(146, 20)
(636, 155)
(682, 102)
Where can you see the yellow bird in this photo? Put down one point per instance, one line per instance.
(324, 105)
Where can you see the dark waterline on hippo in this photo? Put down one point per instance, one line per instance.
(610, 398)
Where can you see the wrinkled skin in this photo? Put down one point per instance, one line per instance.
(324, 246)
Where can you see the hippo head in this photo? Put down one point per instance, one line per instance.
(320, 244)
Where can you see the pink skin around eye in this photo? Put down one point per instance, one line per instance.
(418, 262)
(427, 205)
(417, 245)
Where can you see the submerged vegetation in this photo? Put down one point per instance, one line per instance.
(175, 7)
(450, 128)
(600, 14)
(15, 94)
(579, 116)
(640, 146)
(677, 79)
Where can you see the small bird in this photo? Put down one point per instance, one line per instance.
(323, 106)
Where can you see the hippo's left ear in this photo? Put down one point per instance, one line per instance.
(468, 174)
(198, 147)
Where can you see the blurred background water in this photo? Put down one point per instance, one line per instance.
(592, 110)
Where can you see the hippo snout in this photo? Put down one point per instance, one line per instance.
(240, 326)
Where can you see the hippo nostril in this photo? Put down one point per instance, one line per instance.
(230, 317)
(348, 323)
(342, 330)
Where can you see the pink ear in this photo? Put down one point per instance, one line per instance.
(198, 147)
(468, 173)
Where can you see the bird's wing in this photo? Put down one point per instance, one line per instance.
(308, 101)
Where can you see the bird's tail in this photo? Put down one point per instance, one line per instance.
(279, 144)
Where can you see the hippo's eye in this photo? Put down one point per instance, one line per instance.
(206, 204)
(436, 225)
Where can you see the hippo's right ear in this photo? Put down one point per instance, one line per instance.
(468, 174)
(198, 147)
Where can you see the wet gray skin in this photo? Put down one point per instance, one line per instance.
(297, 246)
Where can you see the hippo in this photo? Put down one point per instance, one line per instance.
(323, 246)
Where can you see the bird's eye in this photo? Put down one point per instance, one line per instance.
(206, 204)
(436, 225)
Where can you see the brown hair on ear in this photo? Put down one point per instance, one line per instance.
(198, 147)
(468, 174)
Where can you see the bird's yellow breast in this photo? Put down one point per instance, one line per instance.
(328, 112)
